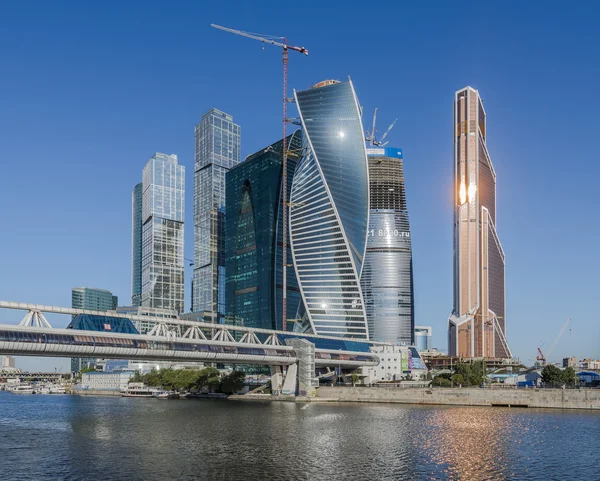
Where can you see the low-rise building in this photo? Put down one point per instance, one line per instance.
(570, 362)
(590, 365)
(105, 381)
(7, 363)
(395, 364)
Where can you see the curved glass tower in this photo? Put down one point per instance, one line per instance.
(387, 276)
(329, 210)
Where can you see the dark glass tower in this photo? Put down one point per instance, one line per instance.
(387, 276)
(136, 245)
(253, 242)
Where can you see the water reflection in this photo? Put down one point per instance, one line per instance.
(74, 437)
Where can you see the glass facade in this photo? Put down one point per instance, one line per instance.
(162, 233)
(253, 245)
(136, 245)
(329, 210)
(94, 300)
(477, 326)
(217, 149)
(422, 338)
(387, 275)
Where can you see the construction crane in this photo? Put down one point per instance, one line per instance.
(371, 135)
(541, 357)
(278, 42)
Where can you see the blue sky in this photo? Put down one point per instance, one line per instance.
(91, 90)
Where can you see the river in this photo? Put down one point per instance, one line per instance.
(58, 437)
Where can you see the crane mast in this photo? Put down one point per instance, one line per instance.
(271, 40)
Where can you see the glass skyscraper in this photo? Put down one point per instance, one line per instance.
(162, 233)
(217, 149)
(136, 245)
(253, 239)
(329, 210)
(387, 275)
(477, 326)
(95, 300)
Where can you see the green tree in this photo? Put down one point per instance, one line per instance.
(552, 376)
(441, 381)
(233, 382)
(208, 378)
(458, 380)
(569, 377)
(355, 377)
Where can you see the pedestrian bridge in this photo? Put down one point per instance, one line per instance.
(172, 340)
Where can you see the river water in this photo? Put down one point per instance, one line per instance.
(111, 438)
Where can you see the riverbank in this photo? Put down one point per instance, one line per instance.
(532, 398)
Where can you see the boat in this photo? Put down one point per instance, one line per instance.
(167, 395)
(22, 389)
(138, 389)
(58, 390)
(42, 390)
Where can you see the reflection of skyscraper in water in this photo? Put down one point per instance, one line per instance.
(217, 149)
(477, 326)
(329, 210)
(387, 276)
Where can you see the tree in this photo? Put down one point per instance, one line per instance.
(458, 380)
(552, 376)
(569, 377)
(441, 381)
(355, 377)
(208, 378)
(233, 382)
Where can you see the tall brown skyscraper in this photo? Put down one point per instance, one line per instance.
(477, 326)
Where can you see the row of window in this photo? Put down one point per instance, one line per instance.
(97, 341)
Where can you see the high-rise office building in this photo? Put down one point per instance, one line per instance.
(253, 239)
(162, 233)
(136, 245)
(477, 326)
(387, 275)
(330, 209)
(217, 149)
(423, 338)
(95, 300)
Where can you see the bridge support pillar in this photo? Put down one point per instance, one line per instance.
(276, 380)
(304, 370)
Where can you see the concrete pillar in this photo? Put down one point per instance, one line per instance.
(276, 379)
(305, 353)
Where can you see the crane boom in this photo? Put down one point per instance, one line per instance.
(262, 39)
(558, 337)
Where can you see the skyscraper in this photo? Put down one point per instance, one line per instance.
(136, 245)
(330, 209)
(217, 149)
(253, 238)
(477, 326)
(162, 233)
(95, 300)
(387, 276)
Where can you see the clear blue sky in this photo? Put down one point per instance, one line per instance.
(89, 91)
